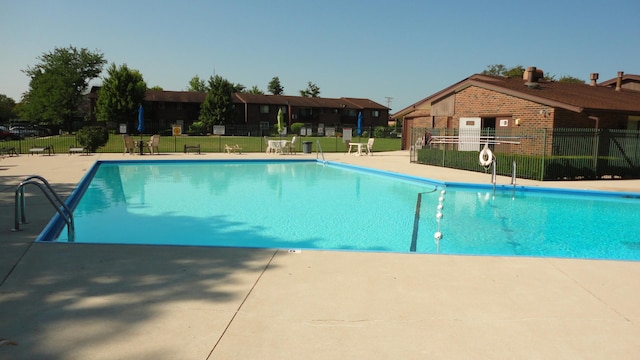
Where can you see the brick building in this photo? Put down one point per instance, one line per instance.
(166, 108)
(499, 103)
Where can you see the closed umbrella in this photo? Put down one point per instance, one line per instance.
(280, 120)
(140, 119)
(360, 123)
(141, 126)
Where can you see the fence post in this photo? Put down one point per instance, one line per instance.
(544, 152)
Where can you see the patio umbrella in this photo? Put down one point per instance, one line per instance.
(280, 120)
(360, 123)
(140, 119)
(140, 125)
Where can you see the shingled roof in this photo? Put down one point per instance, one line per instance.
(570, 96)
(300, 101)
(283, 100)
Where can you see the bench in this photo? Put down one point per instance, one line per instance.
(76, 150)
(11, 151)
(196, 148)
(48, 149)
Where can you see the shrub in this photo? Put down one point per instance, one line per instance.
(92, 137)
(379, 131)
(197, 128)
(295, 128)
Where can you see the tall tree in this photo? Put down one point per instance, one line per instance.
(7, 108)
(570, 79)
(275, 87)
(254, 90)
(57, 84)
(501, 70)
(217, 108)
(121, 94)
(197, 84)
(312, 90)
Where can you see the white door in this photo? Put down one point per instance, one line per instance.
(469, 139)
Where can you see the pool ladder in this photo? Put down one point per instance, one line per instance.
(320, 152)
(494, 176)
(50, 194)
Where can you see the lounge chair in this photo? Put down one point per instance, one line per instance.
(153, 144)
(10, 151)
(79, 149)
(49, 149)
(370, 146)
(129, 144)
(233, 149)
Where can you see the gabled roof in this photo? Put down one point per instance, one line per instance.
(626, 78)
(300, 101)
(175, 96)
(246, 98)
(570, 96)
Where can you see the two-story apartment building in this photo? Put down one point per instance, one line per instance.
(162, 109)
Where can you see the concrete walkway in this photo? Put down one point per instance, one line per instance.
(79, 301)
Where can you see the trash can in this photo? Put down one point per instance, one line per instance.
(306, 147)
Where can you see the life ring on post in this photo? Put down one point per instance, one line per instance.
(486, 156)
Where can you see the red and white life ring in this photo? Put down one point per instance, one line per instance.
(486, 156)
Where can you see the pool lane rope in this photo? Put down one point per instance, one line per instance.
(416, 219)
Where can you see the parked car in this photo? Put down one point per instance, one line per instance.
(6, 134)
(24, 131)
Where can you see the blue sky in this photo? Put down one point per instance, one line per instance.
(403, 49)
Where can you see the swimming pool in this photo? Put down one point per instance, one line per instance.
(305, 205)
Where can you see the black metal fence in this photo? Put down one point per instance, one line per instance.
(539, 154)
(248, 138)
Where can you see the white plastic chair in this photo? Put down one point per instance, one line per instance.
(370, 146)
(153, 144)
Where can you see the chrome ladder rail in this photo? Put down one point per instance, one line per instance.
(51, 195)
(324, 162)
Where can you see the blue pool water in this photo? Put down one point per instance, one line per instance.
(305, 205)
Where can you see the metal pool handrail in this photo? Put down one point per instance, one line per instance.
(324, 162)
(52, 196)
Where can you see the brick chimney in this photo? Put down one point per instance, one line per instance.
(619, 81)
(594, 79)
(532, 75)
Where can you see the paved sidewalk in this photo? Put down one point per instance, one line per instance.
(81, 301)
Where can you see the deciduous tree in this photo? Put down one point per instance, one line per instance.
(7, 108)
(58, 83)
(197, 84)
(121, 94)
(312, 90)
(217, 108)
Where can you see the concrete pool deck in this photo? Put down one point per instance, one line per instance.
(80, 301)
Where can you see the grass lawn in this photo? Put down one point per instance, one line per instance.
(208, 144)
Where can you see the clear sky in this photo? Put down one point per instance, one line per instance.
(402, 49)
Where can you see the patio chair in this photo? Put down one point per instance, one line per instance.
(153, 144)
(370, 146)
(129, 144)
(269, 148)
(292, 145)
